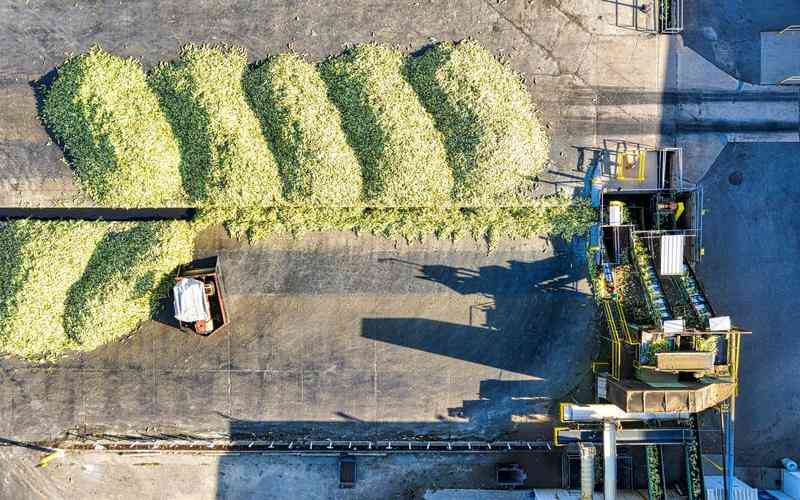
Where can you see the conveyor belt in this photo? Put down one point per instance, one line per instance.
(696, 296)
(656, 480)
(656, 299)
(631, 437)
(696, 489)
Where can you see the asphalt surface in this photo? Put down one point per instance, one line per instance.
(35, 37)
(728, 33)
(335, 336)
(750, 271)
(247, 476)
(347, 336)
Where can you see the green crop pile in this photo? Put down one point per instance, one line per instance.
(398, 144)
(123, 150)
(74, 285)
(495, 143)
(318, 166)
(556, 216)
(226, 160)
(371, 140)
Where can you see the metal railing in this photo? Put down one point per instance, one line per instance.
(792, 80)
(237, 444)
(669, 16)
(791, 27)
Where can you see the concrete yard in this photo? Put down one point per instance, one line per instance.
(334, 336)
(338, 336)
(750, 270)
(246, 476)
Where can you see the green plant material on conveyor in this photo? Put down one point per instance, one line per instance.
(706, 344)
(654, 484)
(495, 142)
(226, 159)
(75, 285)
(401, 151)
(653, 348)
(121, 146)
(318, 166)
(694, 470)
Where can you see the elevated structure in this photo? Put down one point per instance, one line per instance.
(668, 355)
(668, 351)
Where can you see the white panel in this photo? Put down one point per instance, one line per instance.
(672, 255)
(791, 483)
(673, 326)
(614, 215)
(719, 324)
(715, 489)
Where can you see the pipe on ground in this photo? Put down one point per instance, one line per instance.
(610, 459)
(588, 453)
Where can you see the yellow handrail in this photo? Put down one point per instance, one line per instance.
(616, 348)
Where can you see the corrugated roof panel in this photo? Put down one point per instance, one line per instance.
(672, 255)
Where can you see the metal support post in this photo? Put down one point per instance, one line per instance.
(588, 453)
(610, 459)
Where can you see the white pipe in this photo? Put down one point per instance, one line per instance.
(610, 459)
(600, 412)
(588, 453)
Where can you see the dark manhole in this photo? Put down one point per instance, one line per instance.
(736, 178)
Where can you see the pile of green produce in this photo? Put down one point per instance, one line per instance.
(495, 143)
(75, 285)
(226, 159)
(287, 147)
(395, 138)
(318, 166)
(122, 148)
(556, 216)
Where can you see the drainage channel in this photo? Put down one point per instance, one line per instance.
(93, 213)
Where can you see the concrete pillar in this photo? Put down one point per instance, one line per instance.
(588, 453)
(610, 459)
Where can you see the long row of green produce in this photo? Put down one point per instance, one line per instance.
(454, 127)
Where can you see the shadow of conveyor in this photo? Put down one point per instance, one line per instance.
(505, 338)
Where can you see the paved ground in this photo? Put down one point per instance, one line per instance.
(448, 341)
(336, 336)
(750, 271)
(591, 75)
(727, 33)
(278, 477)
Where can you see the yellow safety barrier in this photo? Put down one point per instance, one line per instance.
(555, 435)
(49, 458)
(616, 348)
(634, 160)
(627, 331)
